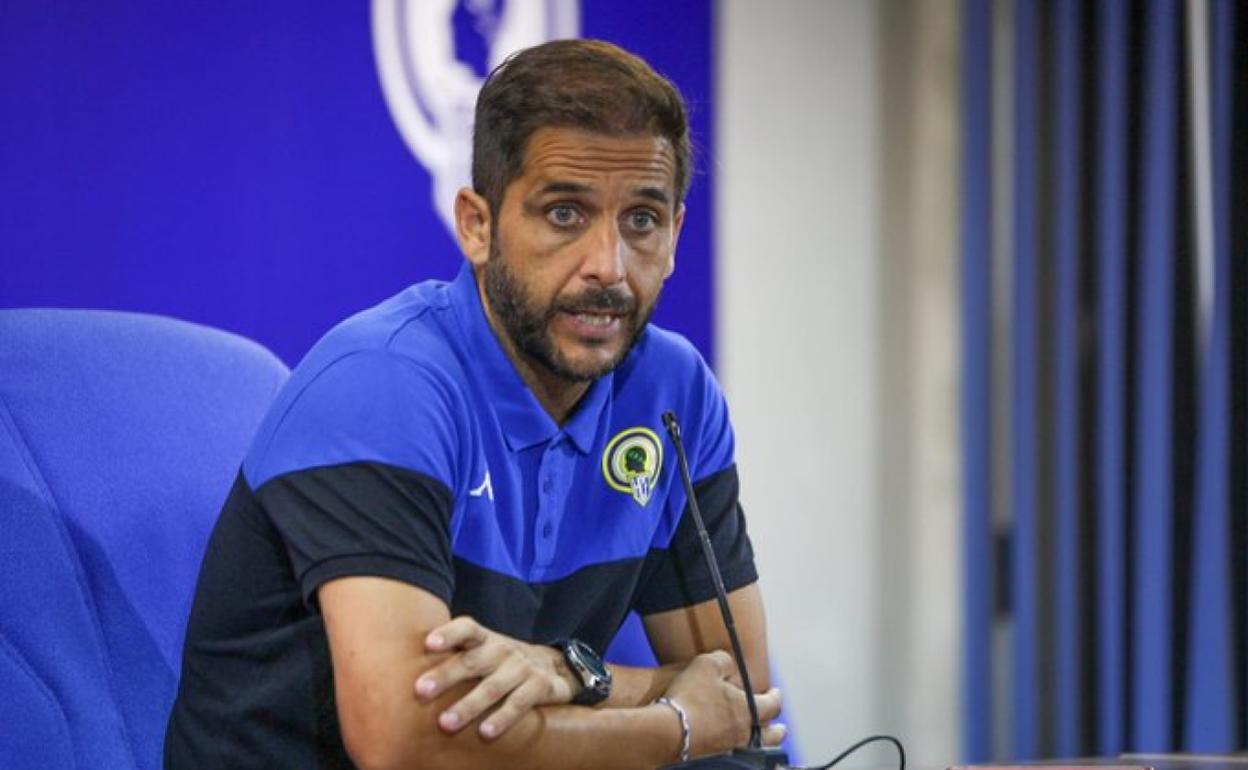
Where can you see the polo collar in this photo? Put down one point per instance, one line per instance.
(523, 420)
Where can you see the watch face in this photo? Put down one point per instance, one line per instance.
(588, 658)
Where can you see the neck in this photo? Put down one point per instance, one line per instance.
(557, 395)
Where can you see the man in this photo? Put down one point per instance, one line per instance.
(490, 450)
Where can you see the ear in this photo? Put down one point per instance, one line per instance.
(678, 222)
(472, 226)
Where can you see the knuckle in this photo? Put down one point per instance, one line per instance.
(537, 692)
(473, 661)
(491, 690)
(468, 626)
(521, 700)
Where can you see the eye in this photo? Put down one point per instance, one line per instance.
(563, 215)
(642, 220)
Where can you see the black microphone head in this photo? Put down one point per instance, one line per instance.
(669, 422)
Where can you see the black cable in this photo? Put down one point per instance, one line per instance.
(901, 752)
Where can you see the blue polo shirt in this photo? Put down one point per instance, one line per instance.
(406, 445)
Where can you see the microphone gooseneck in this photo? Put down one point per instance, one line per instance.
(673, 430)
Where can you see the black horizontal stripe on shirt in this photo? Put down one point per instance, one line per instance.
(364, 518)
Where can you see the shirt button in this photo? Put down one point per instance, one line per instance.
(547, 529)
(547, 485)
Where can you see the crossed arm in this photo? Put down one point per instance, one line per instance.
(379, 633)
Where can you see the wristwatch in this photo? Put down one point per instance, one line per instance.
(589, 669)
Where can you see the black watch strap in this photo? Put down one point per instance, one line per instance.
(588, 668)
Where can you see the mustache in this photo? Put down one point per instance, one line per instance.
(611, 301)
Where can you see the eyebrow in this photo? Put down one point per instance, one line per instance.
(657, 194)
(564, 187)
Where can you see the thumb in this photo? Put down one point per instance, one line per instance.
(774, 734)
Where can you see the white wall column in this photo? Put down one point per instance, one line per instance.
(835, 277)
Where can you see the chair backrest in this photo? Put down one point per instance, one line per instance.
(120, 435)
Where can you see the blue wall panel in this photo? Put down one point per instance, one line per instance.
(235, 163)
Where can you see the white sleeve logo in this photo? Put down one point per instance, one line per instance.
(486, 489)
(431, 91)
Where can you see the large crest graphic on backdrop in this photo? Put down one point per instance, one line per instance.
(432, 56)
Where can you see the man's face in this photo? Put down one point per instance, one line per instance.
(582, 243)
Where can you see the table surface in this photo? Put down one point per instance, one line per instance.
(1237, 761)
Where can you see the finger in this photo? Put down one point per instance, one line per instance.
(488, 692)
(461, 633)
(769, 704)
(522, 700)
(475, 663)
(773, 734)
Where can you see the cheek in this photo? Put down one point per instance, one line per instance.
(647, 280)
(656, 254)
(654, 263)
(535, 268)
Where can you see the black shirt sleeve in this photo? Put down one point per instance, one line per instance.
(363, 518)
(678, 575)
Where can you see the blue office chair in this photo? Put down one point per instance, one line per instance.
(119, 437)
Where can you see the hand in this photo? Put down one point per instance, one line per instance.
(719, 718)
(519, 675)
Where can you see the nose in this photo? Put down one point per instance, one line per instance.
(605, 255)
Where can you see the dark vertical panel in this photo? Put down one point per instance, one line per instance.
(1238, 224)
(1137, 59)
(1024, 578)
(1044, 278)
(1152, 728)
(1183, 366)
(976, 79)
(1210, 708)
(1110, 467)
(1089, 546)
(1067, 206)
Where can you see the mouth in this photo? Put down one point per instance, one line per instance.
(592, 325)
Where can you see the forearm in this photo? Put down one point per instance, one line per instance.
(547, 738)
(678, 635)
(576, 737)
(633, 687)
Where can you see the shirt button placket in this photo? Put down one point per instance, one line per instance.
(547, 507)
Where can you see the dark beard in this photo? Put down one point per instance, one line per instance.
(528, 328)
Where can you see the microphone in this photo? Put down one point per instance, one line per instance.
(754, 755)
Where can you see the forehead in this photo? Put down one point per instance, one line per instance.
(566, 154)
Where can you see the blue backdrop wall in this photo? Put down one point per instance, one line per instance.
(236, 164)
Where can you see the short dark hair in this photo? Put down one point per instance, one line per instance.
(585, 84)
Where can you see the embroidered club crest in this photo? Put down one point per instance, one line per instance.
(632, 461)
